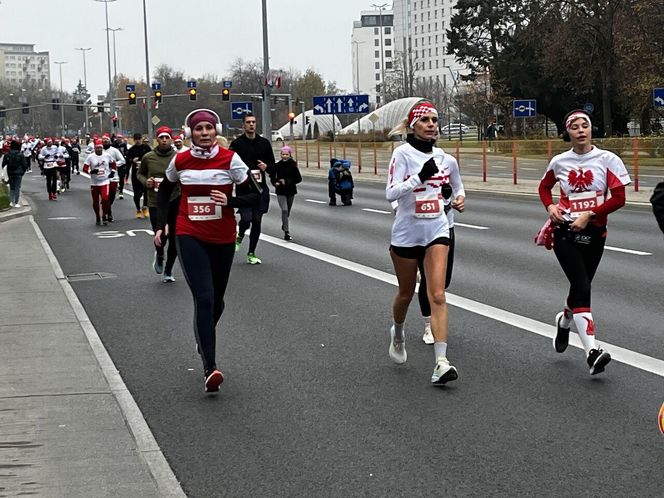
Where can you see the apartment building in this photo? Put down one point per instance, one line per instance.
(20, 64)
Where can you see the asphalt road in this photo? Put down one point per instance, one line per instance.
(312, 405)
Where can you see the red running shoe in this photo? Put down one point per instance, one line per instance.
(213, 380)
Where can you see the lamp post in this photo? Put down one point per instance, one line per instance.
(85, 82)
(357, 66)
(62, 100)
(267, 90)
(115, 69)
(147, 73)
(108, 56)
(380, 8)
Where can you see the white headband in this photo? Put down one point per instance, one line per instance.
(573, 117)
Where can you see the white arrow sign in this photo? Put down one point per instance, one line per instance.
(329, 105)
(363, 107)
(660, 101)
(319, 108)
(350, 103)
(340, 105)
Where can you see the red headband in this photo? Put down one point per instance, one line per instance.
(420, 110)
(574, 116)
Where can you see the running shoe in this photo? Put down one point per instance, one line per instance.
(139, 214)
(561, 340)
(397, 350)
(110, 218)
(428, 335)
(252, 259)
(443, 372)
(287, 236)
(168, 278)
(158, 263)
(597, 360)
(213, 380)
(146, 212)
(98, 222)
(238, 243)
(120, 195)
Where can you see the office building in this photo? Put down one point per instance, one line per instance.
(21, 65)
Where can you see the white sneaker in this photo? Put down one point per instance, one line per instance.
(444, 372)
(428, 336)
(397, 349)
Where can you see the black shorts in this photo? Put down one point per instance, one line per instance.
(416, 252)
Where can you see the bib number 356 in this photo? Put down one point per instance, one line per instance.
(203, 209)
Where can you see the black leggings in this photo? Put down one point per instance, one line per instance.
(51, 180)
(139, 190)
(579, 255)
(171, 252)
(253, 217)
(423, 298)
(122, 175)
(206, 268)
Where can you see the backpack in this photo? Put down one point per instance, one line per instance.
(657, 201)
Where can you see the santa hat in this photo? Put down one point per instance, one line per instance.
(98, 143)
(164, 130)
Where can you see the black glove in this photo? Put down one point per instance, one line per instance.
(94, 171)
(111, 174)
(428, 170)
(446, 190)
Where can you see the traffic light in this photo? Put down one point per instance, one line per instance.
(193, 94)
(55, 104)
(26, 108)
(157, 96)
(291, 117)
(132, 98)
(225, 94)
(100, 106)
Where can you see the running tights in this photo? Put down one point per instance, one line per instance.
(252, 217)
(139, 190)
(285, 204)
(206, 268)
(171, 252)
(51, 180)
(579, 256)
(423, 298)
(100, 193)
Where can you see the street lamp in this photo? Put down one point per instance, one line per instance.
(357, 66)
(62, 100)
(380, 8)
(266, 111)
(85, 82)
(147, 73)
(115, 60)
(108, 55)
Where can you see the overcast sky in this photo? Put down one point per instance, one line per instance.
(194, 36)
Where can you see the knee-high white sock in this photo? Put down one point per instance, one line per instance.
(586, 328)
(398, 332)
(566, 319)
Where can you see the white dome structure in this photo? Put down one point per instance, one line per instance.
(387, 116)
(319, 124)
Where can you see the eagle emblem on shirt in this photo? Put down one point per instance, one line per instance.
(580, 180)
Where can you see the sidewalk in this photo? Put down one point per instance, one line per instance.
(68, 425)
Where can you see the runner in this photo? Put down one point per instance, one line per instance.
(101, 168)
(285, 176)
(178, 144)
(75, 155)
(151, 173)
(62, 165)
(119, 161)
(420, 230)
(206, 225)
(121, 144)
(586, 175)
(134, 155)
(256, 152)
(51, 157)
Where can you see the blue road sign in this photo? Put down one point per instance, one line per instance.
(130, 88)
(227, 84)
(588, 107)
(239, 109)
(658, 97)
(191, 84)
(524, 108)
(341, 104)
(156, 86)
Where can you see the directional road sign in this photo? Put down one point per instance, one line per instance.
(191, 84)
(239, 109)
(524, 108)
(588, 107)
(130, 88)
(156, 86)
(227, 84)
(341, 104)
(658, 97)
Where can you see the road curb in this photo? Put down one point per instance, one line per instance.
(13, 213)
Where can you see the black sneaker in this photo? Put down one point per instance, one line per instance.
(597, 360)
(561, 340)
(287, 236)
(333, 203)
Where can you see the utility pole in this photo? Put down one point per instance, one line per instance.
(383, 97)
(267, 89)
(115, 67)
(85, 82)
(111, 90)
(147, 73)
(62, 100)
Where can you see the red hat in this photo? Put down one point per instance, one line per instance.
(164, 130)
(200, 116)
(98, 143)
(105, 136)
(177, 137)
(48, 139)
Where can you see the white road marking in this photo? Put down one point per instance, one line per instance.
(379, 211)
(628, 251)
(58, 218)
(529, 169)
(626, 356)
(315, 201)
(464, 225)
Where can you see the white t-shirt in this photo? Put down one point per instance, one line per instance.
(104, 164)
(420, 218)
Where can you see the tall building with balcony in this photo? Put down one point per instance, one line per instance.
(21, 65)
(372, 44)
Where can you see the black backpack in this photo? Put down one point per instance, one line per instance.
(657, 201)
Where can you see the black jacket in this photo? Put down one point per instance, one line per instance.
(253, 150)
(15, 162)
(287, 171)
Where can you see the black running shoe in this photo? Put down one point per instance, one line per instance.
(561, 340)
(597, 360)
(287, 236)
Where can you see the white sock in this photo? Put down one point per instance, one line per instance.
(398, 332)
(566, 319)
(427, 321)
(586, 328)
(440, 349)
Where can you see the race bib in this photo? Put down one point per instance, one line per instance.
(203, 209)
(584, 202)
(257, 175)
(427, 205)
(155, 183)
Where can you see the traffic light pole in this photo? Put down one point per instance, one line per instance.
(267, 89)
(147, 73)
